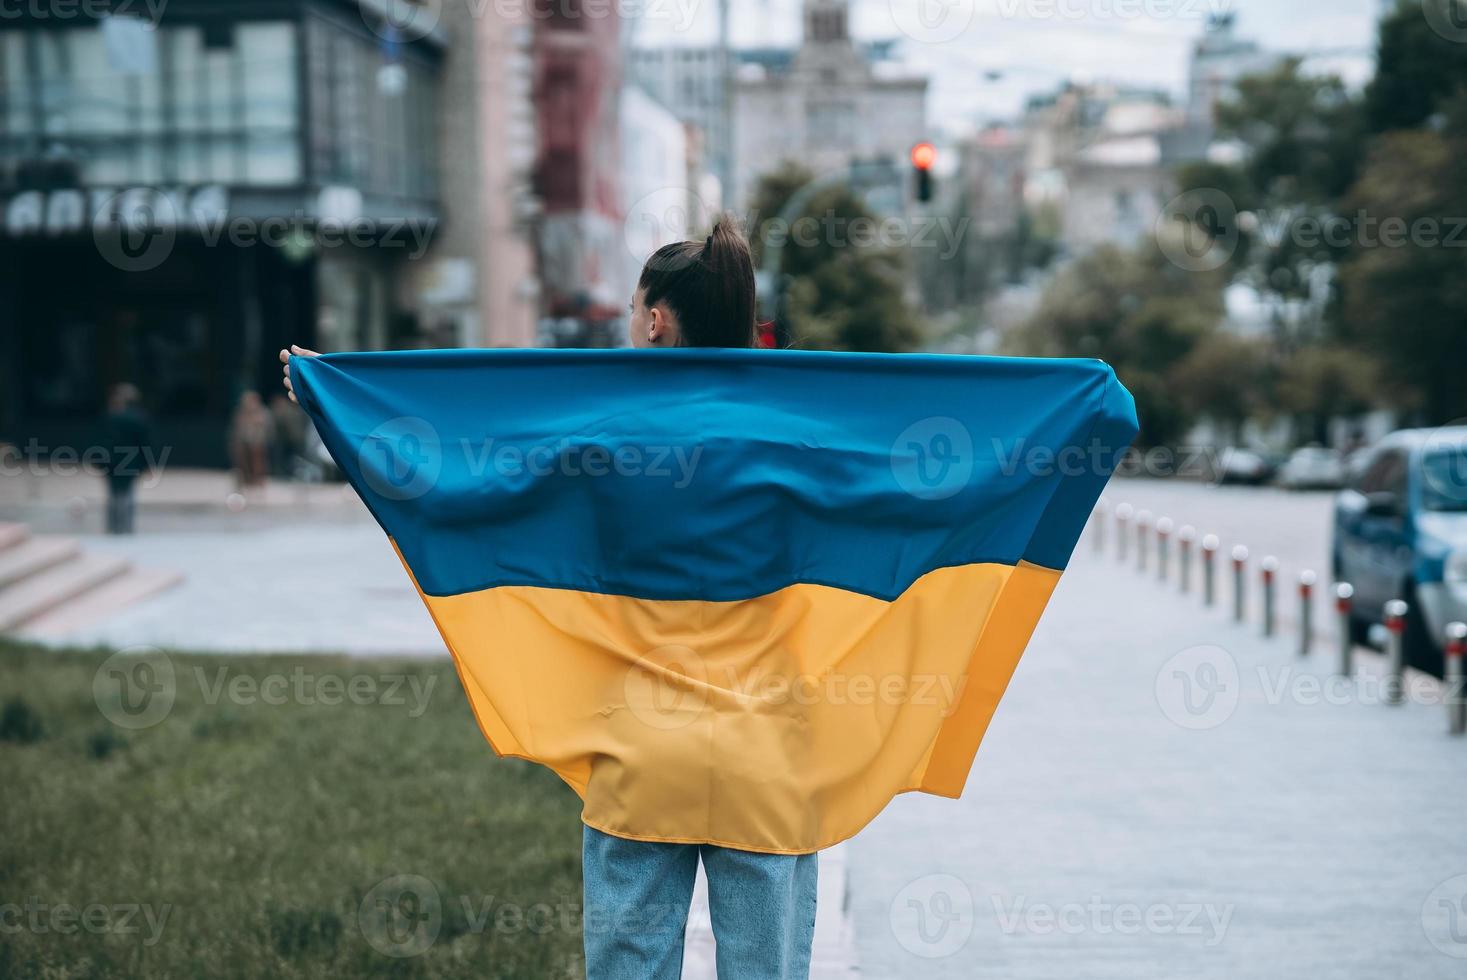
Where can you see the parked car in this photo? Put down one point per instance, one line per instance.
(1400, 531)
(1242, 466)
(1313, 468)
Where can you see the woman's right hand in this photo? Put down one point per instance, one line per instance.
(285, 360)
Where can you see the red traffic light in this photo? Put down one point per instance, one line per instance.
(924, 155)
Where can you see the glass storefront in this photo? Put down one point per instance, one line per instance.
(278, 156)
(154, 105)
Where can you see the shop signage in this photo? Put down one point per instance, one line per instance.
(70, 210)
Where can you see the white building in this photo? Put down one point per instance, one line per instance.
(669, 196)
(1219, 59)
(479, 285)
(829, 109)
(691, 82)
(1097, 157)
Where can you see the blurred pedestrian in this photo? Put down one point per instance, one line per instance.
(127, 446)
(249, 440)
(288, 435)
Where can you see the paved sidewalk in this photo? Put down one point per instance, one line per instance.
(301, 587)
(1163, 794)
(68, 500)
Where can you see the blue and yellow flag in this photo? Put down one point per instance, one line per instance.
(739, 597)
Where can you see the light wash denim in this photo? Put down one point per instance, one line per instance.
(636, 909)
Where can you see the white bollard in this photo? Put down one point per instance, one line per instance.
(1395, 623)
(1210, 545)
(1102, 513)
(1123, 530)
(1270, 569)
(1163, 548)
(1185, 538)
(1240, 585)
(1143, 540)
(1344, 600)
(1455, 676)
(1307, 580)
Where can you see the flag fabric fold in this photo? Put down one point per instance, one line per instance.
(735, 597)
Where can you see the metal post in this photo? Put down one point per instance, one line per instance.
(1185, 537)
(1344, 599)
(1456, 677)
(1395, 621)
(1209, 569)
(1270, 568)
(1163, 547)
(1143, 539)
(1240, 585)
(1102, 512)
(1307, 580)
(1123, 530)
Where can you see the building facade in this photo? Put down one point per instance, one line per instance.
(182, 198)
(479, 284)
(1219, 59)
(836, 108)
(693, 83)
(578, 172)
(1096, 157)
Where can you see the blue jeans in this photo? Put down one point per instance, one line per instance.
(636, 909)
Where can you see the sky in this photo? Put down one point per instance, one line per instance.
(1037, 43)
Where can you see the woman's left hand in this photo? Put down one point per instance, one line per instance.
(285, 360)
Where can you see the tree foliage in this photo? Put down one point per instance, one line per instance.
(843, 291)
(1404, 287)
(1386, 171)
(1142, 314)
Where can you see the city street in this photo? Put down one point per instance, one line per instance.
(308, 570)
(1162, 793)
(1292, 526)
(495, 276)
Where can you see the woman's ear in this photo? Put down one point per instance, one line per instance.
(661, 329)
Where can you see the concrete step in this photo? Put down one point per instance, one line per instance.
(12, 534)
(108, 599)
(45, 590)
(34, 555)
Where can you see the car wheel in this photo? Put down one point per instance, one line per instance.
(1422, 651)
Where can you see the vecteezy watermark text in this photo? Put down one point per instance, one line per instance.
(37, 459)
(403, 915)
(1103, 918)
(98, 918)
(149, 11)
(137, 687)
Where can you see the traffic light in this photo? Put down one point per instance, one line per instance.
(924, 155)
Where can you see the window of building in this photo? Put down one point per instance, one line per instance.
(831, 122)
(215, 105)
(171, 105)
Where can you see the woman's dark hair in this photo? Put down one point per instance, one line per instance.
(708, 286)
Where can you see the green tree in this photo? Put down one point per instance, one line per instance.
(1224, 377)
(1418, 68)
(1404, 285)
(1139, 312)
(844, 291)
(1320, 383)
(1302, 132)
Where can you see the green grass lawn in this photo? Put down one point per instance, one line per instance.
(256, 830)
